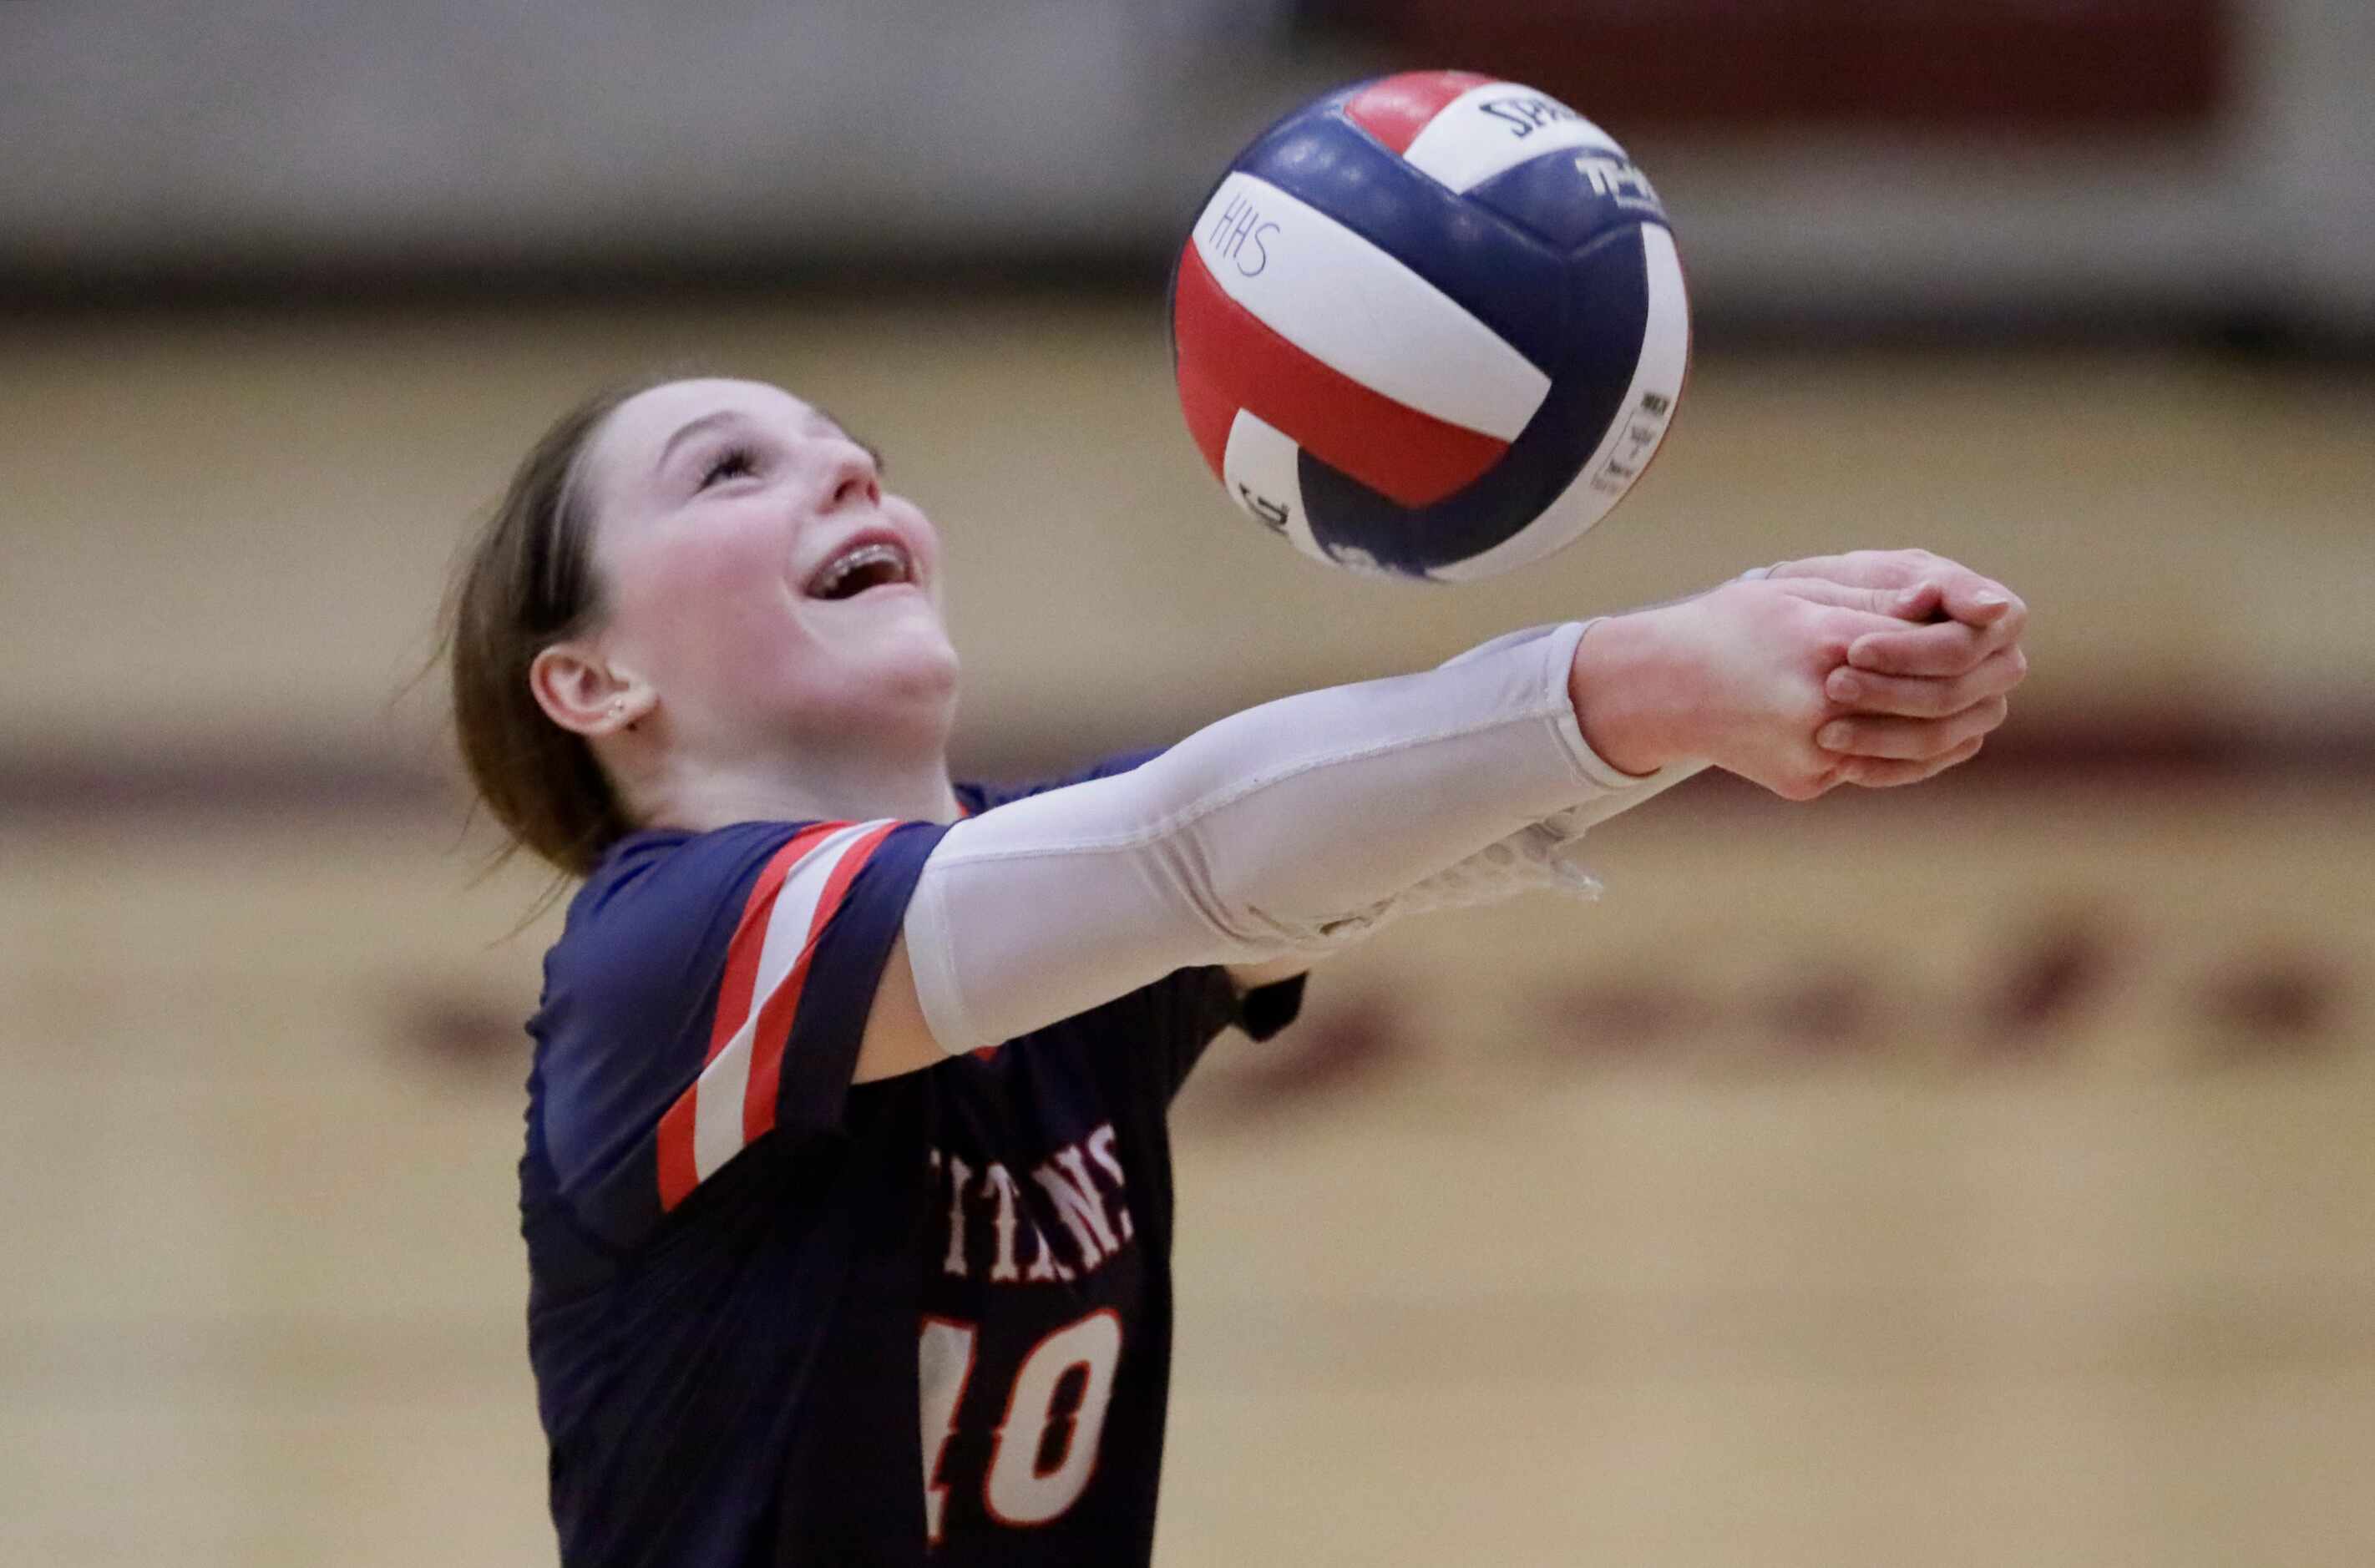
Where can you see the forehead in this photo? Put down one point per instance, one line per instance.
(631, 438)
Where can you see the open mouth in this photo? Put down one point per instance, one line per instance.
(876, 564)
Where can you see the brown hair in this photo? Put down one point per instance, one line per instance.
(526, 581)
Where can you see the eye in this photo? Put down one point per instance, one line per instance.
(733, 463)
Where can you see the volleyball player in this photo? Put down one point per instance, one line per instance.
(847, 1193)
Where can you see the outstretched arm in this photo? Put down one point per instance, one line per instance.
(1906, 702)
(1284, 831)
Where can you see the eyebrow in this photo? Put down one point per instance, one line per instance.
(709, 421)
(692, 428)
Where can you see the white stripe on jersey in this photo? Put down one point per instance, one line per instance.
(717, 1110)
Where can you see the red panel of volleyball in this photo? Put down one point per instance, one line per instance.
(1394, 449)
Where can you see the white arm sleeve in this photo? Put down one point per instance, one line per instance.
(1288, 828)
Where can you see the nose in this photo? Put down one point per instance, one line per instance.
(854, 476)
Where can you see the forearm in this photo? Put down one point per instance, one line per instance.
(1278, 831)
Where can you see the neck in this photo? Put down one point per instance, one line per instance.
(815, 786)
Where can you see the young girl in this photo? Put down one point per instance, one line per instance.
(847, 1192)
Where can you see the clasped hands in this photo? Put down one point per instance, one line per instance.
(1875, 667)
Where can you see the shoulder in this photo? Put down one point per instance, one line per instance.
(638, 964)
(687, 967)
(661, 916)
(979, 797)
(652, 876)
(658, 902)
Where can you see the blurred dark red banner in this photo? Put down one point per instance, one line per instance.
(2017, 65)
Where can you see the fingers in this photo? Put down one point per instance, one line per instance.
(1910, 739)
(1874, 773)
(1944, 648)
(1979, 601)
(1960, 593)
(1914, 697)
(1916, 603)
(1873, 569)
(1965, 596)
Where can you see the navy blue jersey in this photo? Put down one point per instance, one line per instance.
(777, 1318)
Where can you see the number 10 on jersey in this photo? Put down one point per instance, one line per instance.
(1041, 1458)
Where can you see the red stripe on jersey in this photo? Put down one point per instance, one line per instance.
(776, 1013)
(1396, 109)
(1229, 359)
(734, 992)
(678, 1175)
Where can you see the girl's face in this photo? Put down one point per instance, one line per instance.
(759, 578)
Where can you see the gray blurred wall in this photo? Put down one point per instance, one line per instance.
(155, 141)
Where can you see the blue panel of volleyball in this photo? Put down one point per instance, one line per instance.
(1432, 325)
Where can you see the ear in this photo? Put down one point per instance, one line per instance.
(582, 692)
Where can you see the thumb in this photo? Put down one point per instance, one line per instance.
(1916, 603)
(1975, 601)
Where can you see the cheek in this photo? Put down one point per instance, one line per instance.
(704, 606)
(911, 518)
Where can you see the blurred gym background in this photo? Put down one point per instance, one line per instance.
(1978, 1175)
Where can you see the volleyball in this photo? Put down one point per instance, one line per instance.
(1431, 326)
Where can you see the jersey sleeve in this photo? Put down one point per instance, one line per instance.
(709, 992)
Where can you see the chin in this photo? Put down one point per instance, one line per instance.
(919, 654)
(910, 690)
(931, 675)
